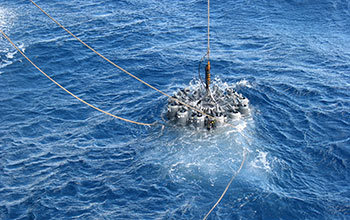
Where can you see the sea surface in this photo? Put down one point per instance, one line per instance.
(60, 159)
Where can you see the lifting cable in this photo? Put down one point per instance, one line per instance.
(120, 68)
(208, 49)
(207, 67)
(70, 93)
(207, 82)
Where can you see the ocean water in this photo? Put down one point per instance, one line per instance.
(60, 159)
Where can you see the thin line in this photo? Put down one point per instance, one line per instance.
(208, 29)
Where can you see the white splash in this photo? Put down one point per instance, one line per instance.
(261, 161)
(10, 55)
(244, 83)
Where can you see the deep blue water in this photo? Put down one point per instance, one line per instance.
(60, 159)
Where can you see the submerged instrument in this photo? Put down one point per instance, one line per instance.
(223, 105)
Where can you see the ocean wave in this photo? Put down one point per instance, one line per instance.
(7, 17)
(7, 54)
(60, 159)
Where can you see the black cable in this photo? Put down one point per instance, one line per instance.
(199, 69)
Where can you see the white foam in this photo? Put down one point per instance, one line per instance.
(244, 83)
(10, 55)
(22, 48)
(7, 56)
(261, 162)
(191, 155)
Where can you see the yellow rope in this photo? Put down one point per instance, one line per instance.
(228, 185)
(70, 93)
(111, 62)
